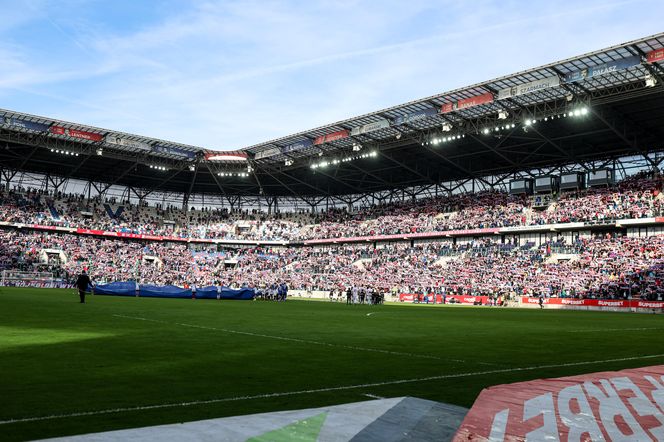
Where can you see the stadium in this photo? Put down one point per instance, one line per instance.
(481, 264)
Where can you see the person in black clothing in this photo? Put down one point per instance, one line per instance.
(82, 283)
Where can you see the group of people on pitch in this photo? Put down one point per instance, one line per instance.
(364, 295)
(273, 292)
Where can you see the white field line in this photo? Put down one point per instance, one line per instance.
(318, 390)
(372, 396)
(307, 341)
(614, 329)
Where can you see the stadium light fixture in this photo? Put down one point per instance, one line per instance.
(529, 122)
(502, 115)
(192, 168)
(374, 153)
(357, 147)
(100, 151)
(447, 127)
(485, 131)
(65, 152)
(288, 162)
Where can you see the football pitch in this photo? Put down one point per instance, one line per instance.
(122, 362)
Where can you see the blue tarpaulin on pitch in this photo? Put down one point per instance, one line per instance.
(244, 293)
(171, 291)
(206, 292)
(166, 291)
(116, 288)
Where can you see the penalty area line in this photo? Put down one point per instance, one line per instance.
(318, 390)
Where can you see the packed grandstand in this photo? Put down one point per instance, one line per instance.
(396, 216)
(601, 265)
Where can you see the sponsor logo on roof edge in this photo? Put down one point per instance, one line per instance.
(75, 133)
(655, 56)
(603, 69)
(533, 86)
(334, 136)
(370, 127)
(414, 116)
(169, 150)
(120, 141)
(22, 124)
(467, 102)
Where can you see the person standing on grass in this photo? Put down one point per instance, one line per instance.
(82, 284)
(541, 302)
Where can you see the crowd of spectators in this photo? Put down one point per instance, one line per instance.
(638, 196)
(605, 266)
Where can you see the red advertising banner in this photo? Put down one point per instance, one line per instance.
(84, 135)
(655, 56)
(89, 232)
(448, 107)
(610, 303)
(611, 406)
(475, 101)
(75, 133)
(467, 102)
(338, 135)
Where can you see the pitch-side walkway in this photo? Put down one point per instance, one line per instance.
(384, 420)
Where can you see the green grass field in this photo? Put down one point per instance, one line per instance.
(204, 359)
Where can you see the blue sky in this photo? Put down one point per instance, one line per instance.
(228, 74)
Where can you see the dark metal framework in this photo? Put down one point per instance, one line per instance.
(625, 119)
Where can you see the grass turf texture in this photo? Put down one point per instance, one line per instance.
(60, 357)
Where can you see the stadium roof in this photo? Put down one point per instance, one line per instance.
(596, 106)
